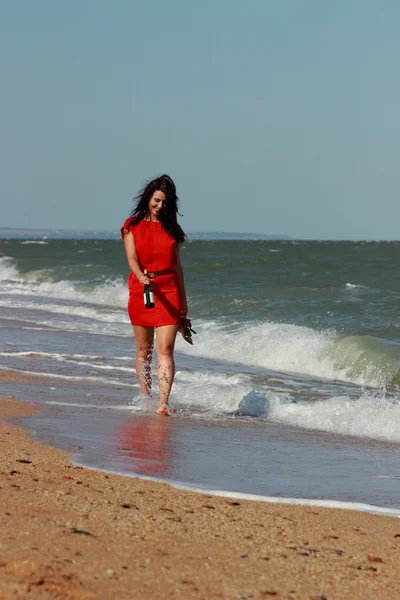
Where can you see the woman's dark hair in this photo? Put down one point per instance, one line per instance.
(167, 216)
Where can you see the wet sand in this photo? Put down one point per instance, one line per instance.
(72, 533)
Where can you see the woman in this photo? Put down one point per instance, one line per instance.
(152, 238)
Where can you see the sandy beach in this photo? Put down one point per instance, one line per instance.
(69, 532)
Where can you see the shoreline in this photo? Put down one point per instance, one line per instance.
(306, 502)
(78, 533)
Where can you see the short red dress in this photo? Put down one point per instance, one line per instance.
(156, 252)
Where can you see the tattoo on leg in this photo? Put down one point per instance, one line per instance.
(144, 369)
(165, 380)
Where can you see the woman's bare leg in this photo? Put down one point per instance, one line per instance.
(144, 337)
(165, 342)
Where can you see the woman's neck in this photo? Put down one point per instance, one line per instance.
(151, 219)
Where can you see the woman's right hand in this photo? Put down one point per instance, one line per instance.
(144, 280)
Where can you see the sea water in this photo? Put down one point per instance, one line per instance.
(291, 388)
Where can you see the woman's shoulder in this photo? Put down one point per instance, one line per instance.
(128, 225)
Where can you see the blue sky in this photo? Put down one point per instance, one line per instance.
(277, 117)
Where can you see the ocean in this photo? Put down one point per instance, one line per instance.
(291, 389)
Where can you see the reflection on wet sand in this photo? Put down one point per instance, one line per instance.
(145, 443)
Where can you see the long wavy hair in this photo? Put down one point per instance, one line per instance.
(168, 216)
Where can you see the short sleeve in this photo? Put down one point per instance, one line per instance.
(127, 226)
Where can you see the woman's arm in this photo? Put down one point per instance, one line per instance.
(130, 249)
(179, 270)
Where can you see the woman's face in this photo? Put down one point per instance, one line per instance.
(156, 204)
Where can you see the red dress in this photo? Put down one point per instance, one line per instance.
(156, 251)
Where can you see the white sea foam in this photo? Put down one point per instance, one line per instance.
(354, 286)
(90, 327)
(370, 415)
(7, 269)
(100, 367)
(73, 378)
(275, 346)
(213, 393)
(104, 315)
(75, 359)
(378, 510)
(34, 242)
(112, 292)
(208, 394)
(50, 354)
(296, 349)
(71, 404)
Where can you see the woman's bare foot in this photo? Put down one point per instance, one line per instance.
(163, 410)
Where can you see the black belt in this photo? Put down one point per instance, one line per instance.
(154, 274)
